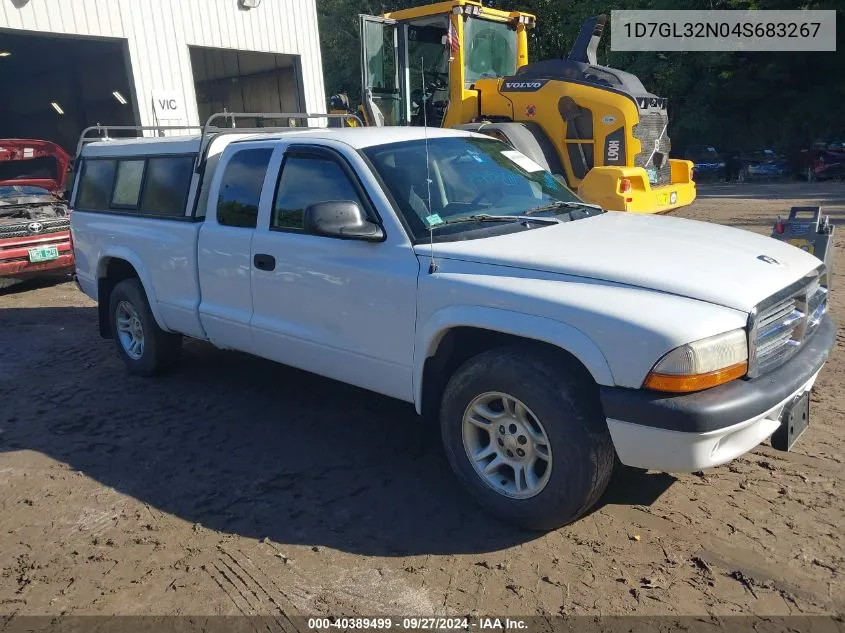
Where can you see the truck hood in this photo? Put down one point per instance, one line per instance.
(718, 264)
(35, 163)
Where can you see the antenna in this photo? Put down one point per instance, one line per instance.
(432, 266)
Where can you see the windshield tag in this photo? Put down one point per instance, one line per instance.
(433, 220)
(522, 160)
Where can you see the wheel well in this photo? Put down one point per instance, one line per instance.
(460, 344)
(115, 271)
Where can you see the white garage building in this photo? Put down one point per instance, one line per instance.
(67, 64)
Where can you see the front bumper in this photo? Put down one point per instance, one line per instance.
(688, 432)
(22, 269)
(14, 255)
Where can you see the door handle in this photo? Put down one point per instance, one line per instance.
(264, 262)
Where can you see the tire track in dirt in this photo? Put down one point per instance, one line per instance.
(243, 568)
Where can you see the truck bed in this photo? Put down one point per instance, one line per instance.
(163, 251)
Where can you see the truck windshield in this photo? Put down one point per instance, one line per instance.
(490, 49)
(468, 176)
(16, 191)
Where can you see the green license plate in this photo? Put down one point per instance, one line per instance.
(43, 253)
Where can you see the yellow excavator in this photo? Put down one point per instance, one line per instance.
(463, 65)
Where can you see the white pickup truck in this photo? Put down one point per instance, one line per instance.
(445, 269)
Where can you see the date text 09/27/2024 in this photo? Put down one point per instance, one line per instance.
(417, 623)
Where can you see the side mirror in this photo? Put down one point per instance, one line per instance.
(342, 219)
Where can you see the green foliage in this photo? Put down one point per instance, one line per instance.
(729, 100)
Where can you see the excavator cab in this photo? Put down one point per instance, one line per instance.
(463, 65)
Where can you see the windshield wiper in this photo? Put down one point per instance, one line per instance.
(486, 217)
(563, 204)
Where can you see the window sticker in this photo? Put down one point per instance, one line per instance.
(522, 161)
(433, 220)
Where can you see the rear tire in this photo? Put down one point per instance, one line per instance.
(144, 347)
(553, 402)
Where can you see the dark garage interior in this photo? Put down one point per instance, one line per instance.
(54, 87)
(245, 81)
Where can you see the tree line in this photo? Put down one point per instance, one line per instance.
(784, 100)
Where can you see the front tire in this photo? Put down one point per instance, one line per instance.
(144, 347)
(524, 432)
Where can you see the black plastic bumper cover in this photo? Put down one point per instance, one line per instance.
(726, 404)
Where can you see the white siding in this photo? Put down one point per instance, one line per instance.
(159, 33)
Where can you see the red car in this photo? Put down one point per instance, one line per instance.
(34, 221)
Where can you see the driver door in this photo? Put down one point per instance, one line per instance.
(384, 71)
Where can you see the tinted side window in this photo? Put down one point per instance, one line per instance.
(95, 185)
(167, 184)
(240, 188)
(127, 185)
(306, 180)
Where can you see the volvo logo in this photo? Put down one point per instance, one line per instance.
(768, 260)
(523, 86)
(35, 227)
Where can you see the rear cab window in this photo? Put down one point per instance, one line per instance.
(147, 186)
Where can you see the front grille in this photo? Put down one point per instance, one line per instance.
(20, 229)
(651, 128)
(816, 307)
(783, 323)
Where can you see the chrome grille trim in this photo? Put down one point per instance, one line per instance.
(817, 307)
(779, 328)
(21, 229)
(775, 315)
(779, 325)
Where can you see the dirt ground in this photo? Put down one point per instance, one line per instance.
(237, 486)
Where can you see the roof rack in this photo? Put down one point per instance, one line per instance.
(104, 130)
(210, 129)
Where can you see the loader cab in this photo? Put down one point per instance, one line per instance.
(419, 65)
(405, 70)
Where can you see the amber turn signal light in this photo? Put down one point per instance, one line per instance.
(695, 382)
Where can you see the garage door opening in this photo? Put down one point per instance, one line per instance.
(246, 81)
(54, 87)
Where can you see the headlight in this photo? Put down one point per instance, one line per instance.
(702, 364)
